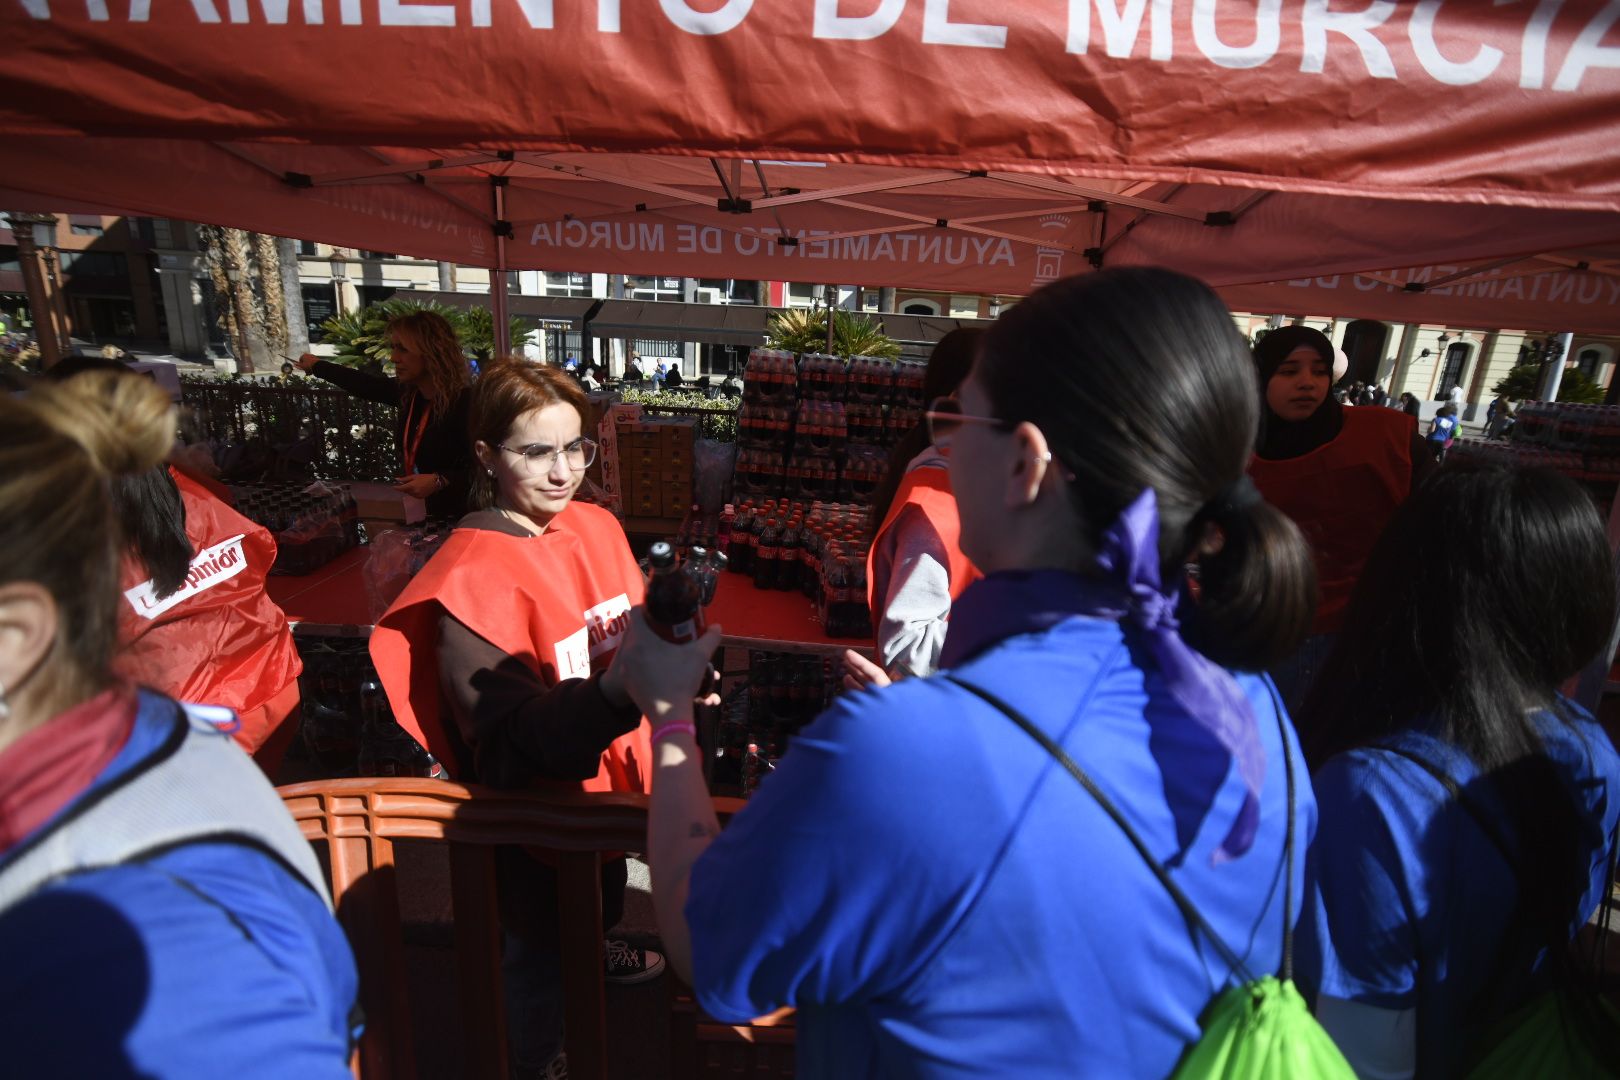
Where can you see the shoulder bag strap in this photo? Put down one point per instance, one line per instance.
(1188, 910)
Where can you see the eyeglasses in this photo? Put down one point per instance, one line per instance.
(945, 417)
(537, 460)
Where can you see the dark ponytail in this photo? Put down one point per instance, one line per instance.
(1255, 594)
(152, 521)
(1139, 379)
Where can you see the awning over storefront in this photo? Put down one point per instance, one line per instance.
(715, 324)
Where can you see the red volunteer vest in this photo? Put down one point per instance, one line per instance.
(928, 488)
(558, 602)
(218, 639)
(1342, 496)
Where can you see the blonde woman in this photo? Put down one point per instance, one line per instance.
(146, 865)
(430, 382)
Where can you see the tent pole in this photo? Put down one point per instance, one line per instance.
(497, 276)
(1555, 369)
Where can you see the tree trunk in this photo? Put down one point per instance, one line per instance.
(212, 240)
(240, 286)
(293, 294)
(271, 299)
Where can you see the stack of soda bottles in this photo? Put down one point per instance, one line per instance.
(770, 378)
(816, 548)
(311, 527)
(822, 378)
(348, 728)
(784, 692)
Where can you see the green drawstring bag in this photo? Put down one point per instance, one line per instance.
(1567, 1033)
(1260, 1029)
(1543, 1040)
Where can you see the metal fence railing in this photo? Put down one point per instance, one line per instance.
(265, 429)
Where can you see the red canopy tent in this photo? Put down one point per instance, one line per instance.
(1422, 162)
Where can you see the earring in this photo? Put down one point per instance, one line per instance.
(489, 472)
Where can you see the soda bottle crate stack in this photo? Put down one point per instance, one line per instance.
(1580, 441)
(347, 727)
(780, 694)
(313, 523)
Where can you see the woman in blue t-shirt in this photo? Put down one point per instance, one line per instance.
(1435, 913)
(930, 890)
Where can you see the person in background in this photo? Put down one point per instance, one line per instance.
(632, 370)
(1380, 395)
(658, 375)
(1443, 432)
(915, 568)
(1411, 406)
(532, 684)
(431, 375)
(673, 379)
(194, 621)
(1338, 473)
(590, 379)
(1467, 810)
(993, 920)
(160, 913)
(1455, 400)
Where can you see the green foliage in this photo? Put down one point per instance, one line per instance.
(719, 423)
(362, 336)
(1523, 383)
(804, 330)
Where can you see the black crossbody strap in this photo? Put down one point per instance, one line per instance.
(1189, 911)
(1462, 799)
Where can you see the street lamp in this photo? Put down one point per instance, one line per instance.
(340, 275)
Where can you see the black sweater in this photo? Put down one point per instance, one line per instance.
(446, 446)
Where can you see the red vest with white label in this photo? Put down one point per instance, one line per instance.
(219, 639)
(559, 603)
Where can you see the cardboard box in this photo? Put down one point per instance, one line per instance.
(381, 502)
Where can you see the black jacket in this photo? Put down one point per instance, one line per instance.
(446, 446)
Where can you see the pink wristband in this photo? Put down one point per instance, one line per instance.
(666, 730)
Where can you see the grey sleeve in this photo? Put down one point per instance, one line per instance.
(913, 617)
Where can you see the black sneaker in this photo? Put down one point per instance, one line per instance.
(625, 964)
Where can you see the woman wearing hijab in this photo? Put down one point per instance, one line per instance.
(1339, 473)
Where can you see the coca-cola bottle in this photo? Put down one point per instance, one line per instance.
(787, 557)
(728, 520)
(741, 551)
(765, 555)
(674, 596)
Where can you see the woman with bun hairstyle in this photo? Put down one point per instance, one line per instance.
(160, 913)
(195, 622)
(915, 567)
(516, 655)
(431, 376)
(1338, 473)
(1468, 810)
(919, 878)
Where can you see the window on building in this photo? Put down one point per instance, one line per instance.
(376, 255)
(95, 264)
(637, 287)
(320, 304)
(375, 294)
(567, 284)
(1589, 361)
(920, 307)
(308, 249)
(802, 295)
(730, 290)
(88, 230)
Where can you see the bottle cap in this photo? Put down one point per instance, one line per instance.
(661, 555)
